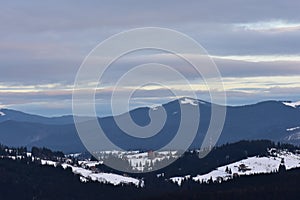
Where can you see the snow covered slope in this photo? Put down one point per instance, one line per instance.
(109, 178)
(249, 166)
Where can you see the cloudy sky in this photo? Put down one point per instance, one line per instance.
(255, 44)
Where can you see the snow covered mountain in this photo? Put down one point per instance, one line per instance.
(107, 178)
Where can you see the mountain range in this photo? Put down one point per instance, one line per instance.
(273, 120)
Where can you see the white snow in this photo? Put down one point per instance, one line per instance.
(49, 162)
(179, 180)
(84, 180)
(293, 129)
(2, 113)
(190, 101)
(155, 107)
(90, 163)
(12, 157)
(73, 155)
(119, 154)
(292, 104)
(110, 178)
(139, 161)
(160, 175)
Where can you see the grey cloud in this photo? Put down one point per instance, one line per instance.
(39, 71)
(61, 103)
(46, 41)
(231, 68)
(68, 14)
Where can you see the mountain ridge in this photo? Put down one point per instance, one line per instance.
(272, 120)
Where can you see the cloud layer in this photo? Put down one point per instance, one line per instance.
(255, 44)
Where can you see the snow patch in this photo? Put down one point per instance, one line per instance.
(155, 107)
(90, 163)
(49, 162)
(73, 155)
(83, 180)
(292, 104)
(293, 129)
(179, 180)
(189, 101)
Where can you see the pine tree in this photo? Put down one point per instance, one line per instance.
(282, 167)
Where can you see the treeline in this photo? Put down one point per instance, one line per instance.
(45, 153)
(19, 151)
(42, 153)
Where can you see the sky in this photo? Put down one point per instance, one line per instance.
(254, 43)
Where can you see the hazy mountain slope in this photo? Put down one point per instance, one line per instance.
(271, 120)
(58, 137)
(8, 114)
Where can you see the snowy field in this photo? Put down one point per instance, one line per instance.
(249, 166)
